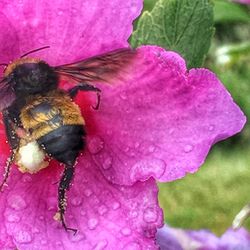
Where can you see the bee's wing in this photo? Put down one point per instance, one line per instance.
(7, 95)
(109, 67)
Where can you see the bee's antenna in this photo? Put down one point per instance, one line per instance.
(35, 50)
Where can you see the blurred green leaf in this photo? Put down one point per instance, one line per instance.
(149, 4)
(185, 26)
(225, 11)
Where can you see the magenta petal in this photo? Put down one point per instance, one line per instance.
(242, 1)
(179, 239)
(9, 45)
(106, 215)
(239, 239)
(73, 29)
(162, 121)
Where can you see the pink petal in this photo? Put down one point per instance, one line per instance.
(202, 239)
(73, 29)
(106, 215)
(242, 1)
(8, 40)
(161, 122)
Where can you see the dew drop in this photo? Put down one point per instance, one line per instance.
(107, 162)
(151, 149)
(12, 217)
(101, 245)
(211, 128)
(23, 236)
(150, 215)
(95, 144)
(123, 96)
(88, 192)
(133, 214)
(78, 237)
(16, 202)
(51, 203)
(41, 217)
(41, 41)
(145, 168)
(126, 231)
(92, 223)
(133, 245)
(171, 131)
(102, 209)
(60, 12)
(35, 230)
(76, 201)
(44, 242)
(188, 148)
(147, 148)
(26, 178)
(59, 243)
(83, 212)
(116, 205)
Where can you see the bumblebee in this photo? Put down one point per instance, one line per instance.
(42, 121)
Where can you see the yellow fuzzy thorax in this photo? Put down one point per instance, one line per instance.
(40, 122)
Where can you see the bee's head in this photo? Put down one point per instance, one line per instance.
(29, 76)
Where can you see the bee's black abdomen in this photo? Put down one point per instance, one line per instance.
(64, 143)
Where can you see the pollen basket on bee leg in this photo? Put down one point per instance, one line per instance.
(30, 158)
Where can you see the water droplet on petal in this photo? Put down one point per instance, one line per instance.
(92, 223)
(95, 144)
(116, 205)
(76, 201)
(123, 96)
(150, 215)
(147, 148)
(60, 12)
(146, 168)
(188, 148)
(26, 178)
(16, 202)
(51, 203)
(102, 210)
(107, 162)
(126, 231)
(23, 236)
(211, 128)
(44, 242)
(41, 217)
(12, 217)
(83, 212)
(133, 246)
(41, 40)
(88, 192)
(101, 245)
(151, 149)
(133, 214)
(59, 244)
(77, 237)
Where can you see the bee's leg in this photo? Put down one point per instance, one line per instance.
(12, 137)
(64, 185)
(7, 169)
(13, 140)
(85, 87)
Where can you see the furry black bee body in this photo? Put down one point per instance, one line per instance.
(39, 115)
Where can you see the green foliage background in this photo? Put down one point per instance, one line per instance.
(216, 35)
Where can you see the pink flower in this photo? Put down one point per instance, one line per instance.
(242, 1)
(159, 124)
(179, 239)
